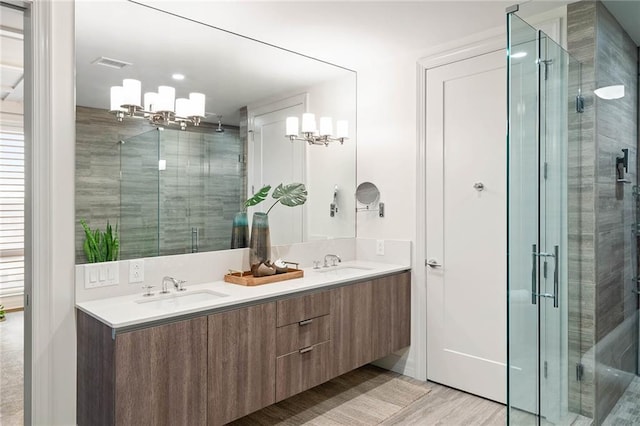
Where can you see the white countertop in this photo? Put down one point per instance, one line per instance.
(128, 311)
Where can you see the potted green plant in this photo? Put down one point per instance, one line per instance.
(291, 195)
(100, 246)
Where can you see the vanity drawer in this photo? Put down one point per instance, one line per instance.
(302, 370)
(297, 309)
(302, 334)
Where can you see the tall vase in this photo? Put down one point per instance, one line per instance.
(240, 231)
(260, 245)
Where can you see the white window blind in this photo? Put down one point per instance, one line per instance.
(11, 213)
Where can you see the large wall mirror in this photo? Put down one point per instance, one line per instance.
(175, 187)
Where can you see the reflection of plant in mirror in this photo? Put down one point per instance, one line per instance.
(2, 317)
(100, 246)
(259, 197)
(291, 195)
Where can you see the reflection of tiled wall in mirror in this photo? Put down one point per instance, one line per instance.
(204, 196)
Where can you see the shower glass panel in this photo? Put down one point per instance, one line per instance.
(179, 191)
(139, 205)
(542, 93)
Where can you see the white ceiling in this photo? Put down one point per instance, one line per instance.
(354, 34)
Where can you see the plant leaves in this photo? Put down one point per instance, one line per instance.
(100, 246)
(291, 195)
(259, 197)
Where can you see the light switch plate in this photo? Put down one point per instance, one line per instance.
(101, 274)
(136, 271)
(380, 247)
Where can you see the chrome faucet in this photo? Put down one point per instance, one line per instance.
(335, 258)
(176, 283)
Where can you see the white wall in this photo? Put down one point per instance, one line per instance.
(332, 165)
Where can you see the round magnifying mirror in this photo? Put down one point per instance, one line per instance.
(367, 193)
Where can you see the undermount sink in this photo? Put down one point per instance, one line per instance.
(180, 300)
(342, 270)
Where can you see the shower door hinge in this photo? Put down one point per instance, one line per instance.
(545, 169)
(545, 369)
(544, 274)
(579, 372)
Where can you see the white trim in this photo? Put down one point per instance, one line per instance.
(49, 270)
(38, 366)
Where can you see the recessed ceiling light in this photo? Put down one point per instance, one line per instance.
(177, 76)
(519, 55)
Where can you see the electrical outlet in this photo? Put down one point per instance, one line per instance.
(380, 247)
(136, 271)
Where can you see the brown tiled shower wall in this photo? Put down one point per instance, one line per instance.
(205, 197)
(602, 247)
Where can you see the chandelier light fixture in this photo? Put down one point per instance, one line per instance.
(161, 107)
(314, 136)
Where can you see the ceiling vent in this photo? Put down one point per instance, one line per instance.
(111, 63)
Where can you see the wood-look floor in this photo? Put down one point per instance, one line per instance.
(373, 396)
(12, 369)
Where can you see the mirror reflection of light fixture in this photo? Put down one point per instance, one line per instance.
(161, 107)
(610, 92)
(314, 136)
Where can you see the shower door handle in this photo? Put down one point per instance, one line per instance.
(534, 293)
(556, 278)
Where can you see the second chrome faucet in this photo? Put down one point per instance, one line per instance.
(176, 283)
(336, 259)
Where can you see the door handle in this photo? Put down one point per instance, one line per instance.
(534, 292)
(556, 280)
(433, 263)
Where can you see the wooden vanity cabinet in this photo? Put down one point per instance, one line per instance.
(303, 343)
(371, 320)
(216, 368)
(153, 376)
(242, 354)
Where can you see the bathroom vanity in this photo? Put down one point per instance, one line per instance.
(209, 365)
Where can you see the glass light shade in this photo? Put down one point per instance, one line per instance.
(610, 92)
(150, 101)
(326, 126)
(117, 98)
(197, 104)
(291, 126)
(183, 107)
(308, 123)
(132, 89)
(342, 129)
(166, 98)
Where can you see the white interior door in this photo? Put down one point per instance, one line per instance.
(466, 225)
(273, 160)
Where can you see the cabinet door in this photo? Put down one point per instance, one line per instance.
(242, 356)
(391, 314)
(351, 326)
(161, 375)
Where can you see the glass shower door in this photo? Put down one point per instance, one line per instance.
(539, 104)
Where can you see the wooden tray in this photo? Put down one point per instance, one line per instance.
(245, 278)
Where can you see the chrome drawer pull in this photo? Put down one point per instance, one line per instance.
(307, 349)
(305, 322)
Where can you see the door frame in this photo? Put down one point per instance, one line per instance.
(466, 48)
